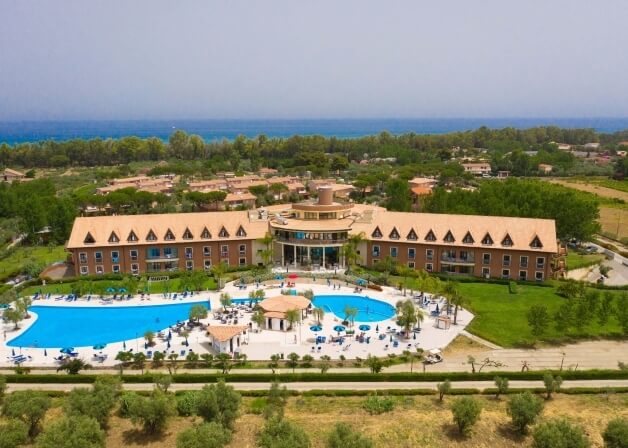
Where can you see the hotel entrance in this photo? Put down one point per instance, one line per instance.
(306, 256)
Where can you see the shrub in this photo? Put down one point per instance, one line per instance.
(219, 403)
(13, 433)
(559, 433)
(524, 409)
(152, 412)
(466, 412)
(616, 434)
(512, 287)
(187, 403)
(501, 384)
(205, 435)
(70, 432)
(443, 389)
(258, 405)
(279, 433)
(96, 403)
(29, 406)
(3, 387)
(552, 384)
(126, 398)
(342, 436)
(375, 405)
(276, 401)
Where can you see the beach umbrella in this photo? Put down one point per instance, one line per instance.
(169, 334)
(437, 310)
(293, 276)
(110, 289)
(99, 346)
(278, 277)
(316, 328)
(45, 352)
(121, 289)
(123, 345)
(168, 344)
(339, 328)
(391, 337)
(377, 328)
(364, 327)
(67, 350)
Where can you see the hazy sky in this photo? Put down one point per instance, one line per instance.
(121, 59)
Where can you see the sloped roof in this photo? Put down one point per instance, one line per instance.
(282, 304)
(225, 332)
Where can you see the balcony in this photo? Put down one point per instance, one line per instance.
(162, 258)
(468, 260)
(311, 242)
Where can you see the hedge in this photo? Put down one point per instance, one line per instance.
(327, 377)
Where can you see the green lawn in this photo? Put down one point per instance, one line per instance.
(500, 317)
(576, 260)
(24, 255)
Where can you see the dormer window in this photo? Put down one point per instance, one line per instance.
(468, 239)
(241, 232)
(507, 241)
(132, 237)
(223, 233)
(89, 239)
(205, 234)
(394, 235)
(412, 235)
(151, 236)
(169, 236)
(487, 240)
(449, 237)
(113, 238)
(430, 236)
(187, 235)
(536, 243)
(376, 233)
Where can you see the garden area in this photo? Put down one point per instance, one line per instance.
(29, 259)
(576, 260)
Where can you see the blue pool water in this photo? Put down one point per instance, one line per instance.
(369, 310)
(74, 326)
(244, 301)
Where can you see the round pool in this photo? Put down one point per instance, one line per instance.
(369, 310)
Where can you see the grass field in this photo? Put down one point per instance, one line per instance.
(614, 222)
(419, 421)
(25, 255)
(576, 260)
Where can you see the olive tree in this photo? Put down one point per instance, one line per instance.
(219, 403)
(466, 412)
(559, 433)
(152, 412)
(280, 433)
(524, 409)
(29, 406)
(343, 436)
(13, 433)
(71, 432)
(205, 435)
(616, 433)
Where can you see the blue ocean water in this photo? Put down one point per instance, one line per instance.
(212, 130)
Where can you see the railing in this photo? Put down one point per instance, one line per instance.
(446, 259)
(311, 241)
(162, 257)
(540, 266)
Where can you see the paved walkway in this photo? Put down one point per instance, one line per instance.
(339, 385)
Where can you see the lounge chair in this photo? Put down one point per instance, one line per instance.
(149, 354)
(182, 353)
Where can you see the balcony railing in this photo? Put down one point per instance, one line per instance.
(458, 260)
(162, 257)
(309, 241)
(540, 266)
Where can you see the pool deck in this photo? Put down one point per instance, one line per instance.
(260, 345)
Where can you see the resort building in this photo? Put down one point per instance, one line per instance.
(9, 175)
(226, 338)
(311, 235)
(276, 310)
(478, 168)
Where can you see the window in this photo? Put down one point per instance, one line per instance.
(115, 268)
(189, 253)
(523, 276)
(429, 254)
(505, 273)
(523, 261)
(468, 239)
(376, 233)
(536, 243)
(153, 252)
(487, 240)
(411, 264)
(207, 265)
(84, 270)
(429, 267)
(430, 236)
(224, 251)
(135, 268)
(540, 262)
(115, 256)
(189, 265)
(242, 261)
(133, 254)
(98, 257)
(151, 236)
(205, 234)
(449, 237)
(132, 237)
(223, 233)
(113, 238)
(486, 272)
(538, 276)
(412, 236)
(169, 252)
(393, 251)
(99, 269)
(207, 251)
(187, 235)
(242, 249)
(82, 257)
(169, 236)
(411, 252)
(241, 232)
(89, 239)
(486, 258)
(376, 251)
(507, 241)
(506, 260)
(394, 234)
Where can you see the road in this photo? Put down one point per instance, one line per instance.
(305, 386)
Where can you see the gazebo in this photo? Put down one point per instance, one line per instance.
(276, 308)
(226, 338)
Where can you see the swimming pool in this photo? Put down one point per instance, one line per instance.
(369, 310)
(75, 326)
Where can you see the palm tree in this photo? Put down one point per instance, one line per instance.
(258, 318)
(149, 336)
(350, 314)
(274, 363)
(124, 358)
(218, 270)
(267, 253)
(293, 317)
(450, 290)
(457, 300)
(318, 313)
(225, 300)
(185, 334)
(350, 249)
(406, 315)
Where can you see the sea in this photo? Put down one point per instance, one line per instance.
(214, 130)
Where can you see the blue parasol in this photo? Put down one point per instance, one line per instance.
(99, 346)
(278, 277)
(361, 282)
(168, 344)
(339, 328)
(67, 350)
(316, 328)
(121, 289)
(364, 327)
(110, 289)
